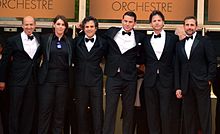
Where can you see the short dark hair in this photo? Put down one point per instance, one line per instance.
(132, 14)
(190, 17)
(156, 12)
(90, 18)
(63, 18)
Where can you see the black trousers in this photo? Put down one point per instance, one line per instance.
(176, 115)
(116, 86)
(70, 115)
(70, 125)
(89, 96)
(52, 101)
(140, 113)
(158, 105)
(197, 109)
(22, 108)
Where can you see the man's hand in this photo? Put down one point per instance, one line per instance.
(179, 94)
(78, 26)
(2, 86)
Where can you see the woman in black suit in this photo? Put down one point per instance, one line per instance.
(54, 77)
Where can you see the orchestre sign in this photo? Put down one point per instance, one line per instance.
(174, 10)
(213, 10)
(37, 8)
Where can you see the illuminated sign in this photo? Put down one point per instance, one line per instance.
(174, 10)
(37, 8)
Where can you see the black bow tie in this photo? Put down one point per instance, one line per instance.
(128, 33)
(91, 39)
(157, 36)
(30, 37)
(189, 37)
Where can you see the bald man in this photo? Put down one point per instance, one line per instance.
(18, 72)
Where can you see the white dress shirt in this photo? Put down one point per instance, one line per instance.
(188, 45)
(90, 44)
(158, 44)
(125, 42)
(30, 46)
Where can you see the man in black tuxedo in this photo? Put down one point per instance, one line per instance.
(121, 73)
(195, 70)
(159, 56)
(88, 52)
(18, 67)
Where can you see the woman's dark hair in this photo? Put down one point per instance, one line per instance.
(63, 18)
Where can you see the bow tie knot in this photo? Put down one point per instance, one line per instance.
(91, 39)
(157, 36)
(128, 33)
(30, 37)
(189, 37)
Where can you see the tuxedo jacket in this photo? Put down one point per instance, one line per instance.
(126, 61)
(16, 66)
(87, 70)
(200, 67)
(165, 65)
(46, 41)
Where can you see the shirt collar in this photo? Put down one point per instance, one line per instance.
(162, 33)
(194, 35)
(24, 35)
(122, 29)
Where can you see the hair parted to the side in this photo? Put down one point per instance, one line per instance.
(90, 18)
(63, 18)
(131, 14)
(156, 12)
(190, 17)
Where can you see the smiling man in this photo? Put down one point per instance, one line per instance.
(121, 72)
(18, 70)
(88, 52)
(159, 52)
(195, 71)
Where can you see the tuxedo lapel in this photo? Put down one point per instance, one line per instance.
(166, 45)
(82, 46)
(36, 53)
(83, 49)
(150, 46)
(21, 47)
(195, 43)
(38, 47)
(37, 37)
(97, 45)
(112, 33)
(182, 47)
(136, 37)
(20, 44)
